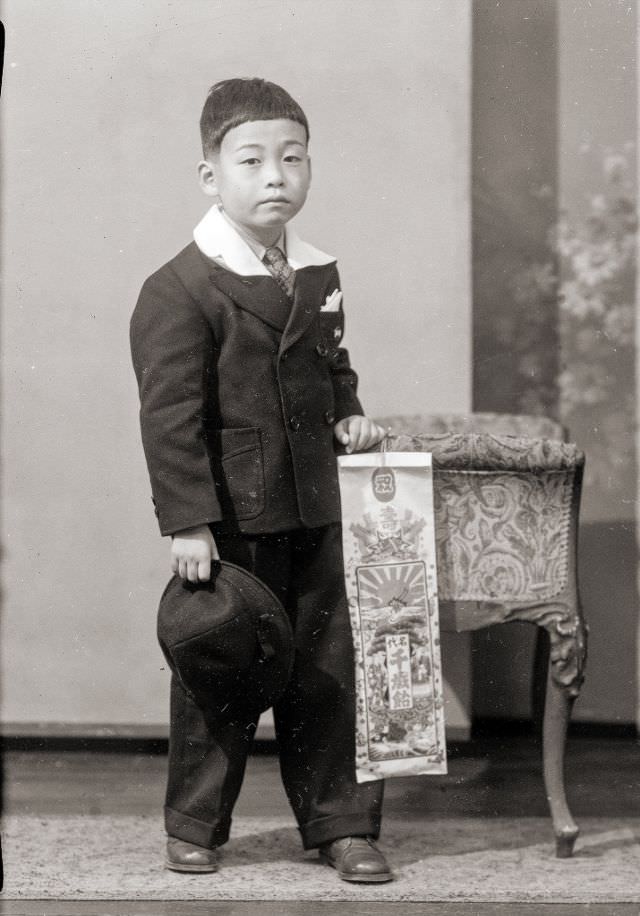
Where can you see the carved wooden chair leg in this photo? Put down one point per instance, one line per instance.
(557, 712)
(541, 660)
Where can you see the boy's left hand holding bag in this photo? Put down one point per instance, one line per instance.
(358, 433)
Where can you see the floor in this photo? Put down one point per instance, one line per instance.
(489, 777)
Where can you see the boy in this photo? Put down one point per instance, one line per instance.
(244, 394)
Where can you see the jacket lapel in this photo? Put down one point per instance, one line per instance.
(261, 296)
(310, 287)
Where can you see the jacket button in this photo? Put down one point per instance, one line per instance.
(294, 423)
(329, 417)
(322, 349)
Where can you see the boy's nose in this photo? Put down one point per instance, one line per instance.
(274, 177)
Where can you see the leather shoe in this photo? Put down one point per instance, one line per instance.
(183, 856)
(356, 858)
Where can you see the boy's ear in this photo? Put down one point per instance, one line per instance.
(207, 178)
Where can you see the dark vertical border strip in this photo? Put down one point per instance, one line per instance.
(514, 206)
(515, 324)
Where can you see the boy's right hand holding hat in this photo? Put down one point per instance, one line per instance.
(192, 552)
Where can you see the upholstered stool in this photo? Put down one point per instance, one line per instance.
(506, 520)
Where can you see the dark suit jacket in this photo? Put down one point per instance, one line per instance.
(239, 394)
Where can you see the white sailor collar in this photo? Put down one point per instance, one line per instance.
(218, 239)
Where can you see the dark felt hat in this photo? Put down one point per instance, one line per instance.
(228, 640)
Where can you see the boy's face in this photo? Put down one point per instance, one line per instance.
(261, 174)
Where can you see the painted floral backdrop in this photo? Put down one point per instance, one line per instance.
(597, 331)
(590, 275)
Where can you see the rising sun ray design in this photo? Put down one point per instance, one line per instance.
(395, 585)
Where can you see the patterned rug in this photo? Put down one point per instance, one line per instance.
(453, 859)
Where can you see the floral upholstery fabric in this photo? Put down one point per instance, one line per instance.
(502, 514)
(502, 536)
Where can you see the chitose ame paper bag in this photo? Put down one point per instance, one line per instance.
(390, 573)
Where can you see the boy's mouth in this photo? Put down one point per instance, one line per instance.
(275, 200)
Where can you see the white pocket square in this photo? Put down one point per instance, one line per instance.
(333, 302)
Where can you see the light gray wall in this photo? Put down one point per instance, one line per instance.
(100, 106)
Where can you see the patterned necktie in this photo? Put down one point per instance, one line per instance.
(278, 267)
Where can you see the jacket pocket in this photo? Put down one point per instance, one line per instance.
(239, 470)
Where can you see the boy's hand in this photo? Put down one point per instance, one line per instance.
(192, 551)
(358, 433)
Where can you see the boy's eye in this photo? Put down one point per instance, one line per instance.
(292, 158)
(250, 161)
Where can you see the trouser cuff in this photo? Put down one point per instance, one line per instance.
(327, 829)
(192, 830)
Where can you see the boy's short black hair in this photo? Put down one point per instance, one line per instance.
(235, 101)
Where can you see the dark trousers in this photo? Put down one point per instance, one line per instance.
(314, 720)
